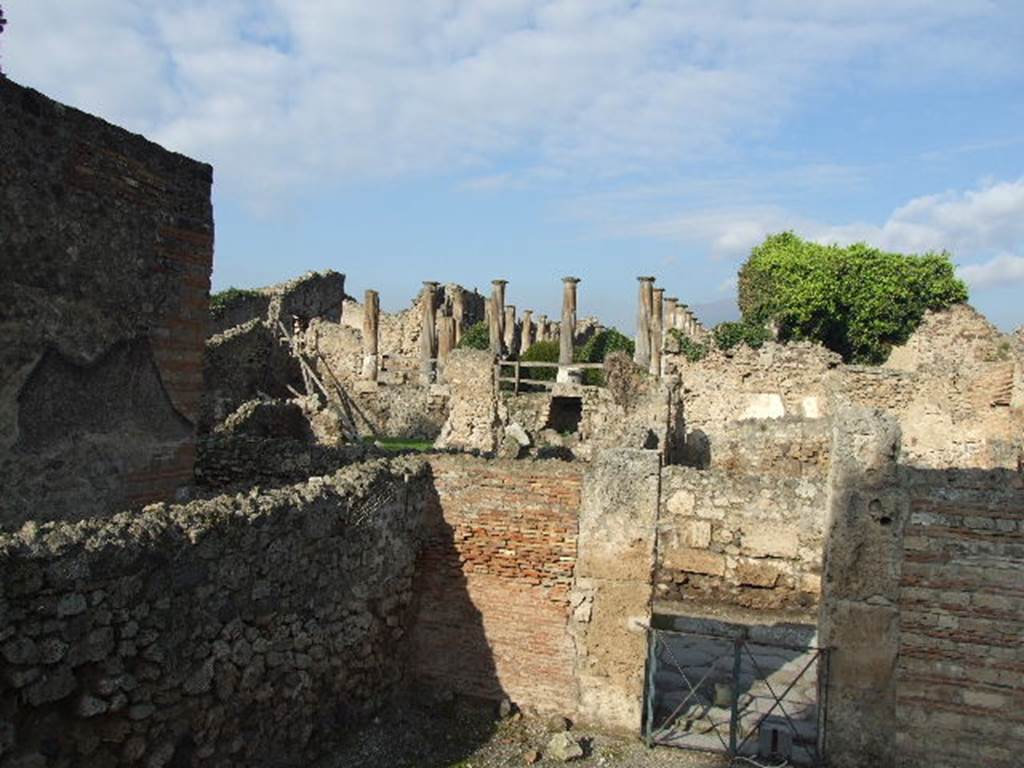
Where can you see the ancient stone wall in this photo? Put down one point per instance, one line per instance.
(749, 534)
(493, 581)
(312, 295)
(960, 669)
(242, 630)
(247, 460)
(107, 243)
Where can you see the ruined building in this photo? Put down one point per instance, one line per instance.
(765, 552)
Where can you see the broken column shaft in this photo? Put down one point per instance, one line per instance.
(428, 331)
(496, 317)
(657, 296)
(510, 330)
(642, 353)
(568, 326)
(371, 334)
(526, 334)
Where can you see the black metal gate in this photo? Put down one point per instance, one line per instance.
(730, 693)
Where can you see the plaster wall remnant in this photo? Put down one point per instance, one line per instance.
(642, 352)
(371, 334)
(107, 243)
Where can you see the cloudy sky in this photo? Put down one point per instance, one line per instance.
(462, 140)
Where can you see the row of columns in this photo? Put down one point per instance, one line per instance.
(656, 316)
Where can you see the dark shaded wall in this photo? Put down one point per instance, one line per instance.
(106, 244)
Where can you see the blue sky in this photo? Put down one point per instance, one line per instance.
(527, 139)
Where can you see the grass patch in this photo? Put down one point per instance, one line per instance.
(400, 443)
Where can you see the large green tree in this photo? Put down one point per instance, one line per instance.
(858, 301)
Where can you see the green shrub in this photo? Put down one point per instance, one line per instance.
(690, 349)
(540, 352)
(727, 335)
(597, 348)
(477, 336)
(858, 301)
(223, 299)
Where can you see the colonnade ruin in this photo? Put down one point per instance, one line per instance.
(210, 558)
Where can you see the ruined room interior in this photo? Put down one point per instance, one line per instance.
(209, 557)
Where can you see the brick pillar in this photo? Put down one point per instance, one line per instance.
(371, 334)
(542, 328)
(445, 341)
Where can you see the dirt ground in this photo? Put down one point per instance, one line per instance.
(466, 735)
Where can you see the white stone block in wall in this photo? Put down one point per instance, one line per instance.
(811, 407)
(766, 405)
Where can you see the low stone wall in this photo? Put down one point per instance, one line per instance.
(960, 669)
(493, 581)
(243, 630)
(245, 460)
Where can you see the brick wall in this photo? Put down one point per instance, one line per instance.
(493, 581)
(960, 686)
(107, 243)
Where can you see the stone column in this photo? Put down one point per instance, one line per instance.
(371, 334)
(428, 331)
(526, 334)
(642, 355)
(669, 314)
(496, 317)
(680, 320)
(542, 328)
(568, 326)
(445, 341)
(657, 339)
(510, 330)
(458, 312)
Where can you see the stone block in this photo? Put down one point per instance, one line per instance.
(756, 573)
(769, 540)
(695, 561)
(698, 533)
(766, 405)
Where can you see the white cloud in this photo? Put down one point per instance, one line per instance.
(1000, 270)
(285, 94)
(982, 228)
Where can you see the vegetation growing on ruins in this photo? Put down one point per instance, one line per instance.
(857, 300)
(690, 349)
(223, 299)
(541, 352)
(598, 347)
(476, 337)
(728, 334)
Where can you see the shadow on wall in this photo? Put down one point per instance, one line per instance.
(922, 606)
(450, 705)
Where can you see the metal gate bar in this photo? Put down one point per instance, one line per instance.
(665, 733)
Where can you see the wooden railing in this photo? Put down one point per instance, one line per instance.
(516, 379)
